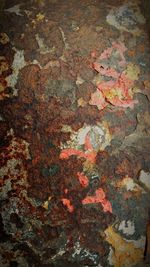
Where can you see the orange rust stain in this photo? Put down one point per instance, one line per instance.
(147, 84)
(66, 202)
(99, 198)
(36, 160)
(123, 167)
(83, 179)
(131, 53)
(141, 48)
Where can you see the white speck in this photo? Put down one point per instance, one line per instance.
(61, 252)
(127, 227)
(36, 63)
(77, 249)
(1, 118)
(142, 64)
(83, 252)
(79, 80)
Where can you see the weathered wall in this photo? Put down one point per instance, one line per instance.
(74, 134)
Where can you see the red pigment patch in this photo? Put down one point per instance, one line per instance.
(93, 54)
(120, 48)
(36, 160)
(66, 153)
(115, 92)
(99, 198)
(66, 202)
(66, 190)
(83, 179)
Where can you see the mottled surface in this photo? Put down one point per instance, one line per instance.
(75, 134)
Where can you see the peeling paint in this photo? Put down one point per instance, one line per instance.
(74, 138)
(15, 9)
(43, 48)
(145, 178)
(64, 38)
(95, 137)
(126, 252)
(129, 184)
(132, 71)
(127, 227)
(118, 90)
(17, 65)
(127, 18)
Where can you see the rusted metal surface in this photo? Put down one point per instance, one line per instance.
(75, 125)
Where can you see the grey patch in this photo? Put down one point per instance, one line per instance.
(115, 143)
(62, 89)
(126, 17)
(113, 61)
(142, 264)
(143, 103)
(5, 189)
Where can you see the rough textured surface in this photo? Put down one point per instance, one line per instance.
(75, 126)
(146, 10)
